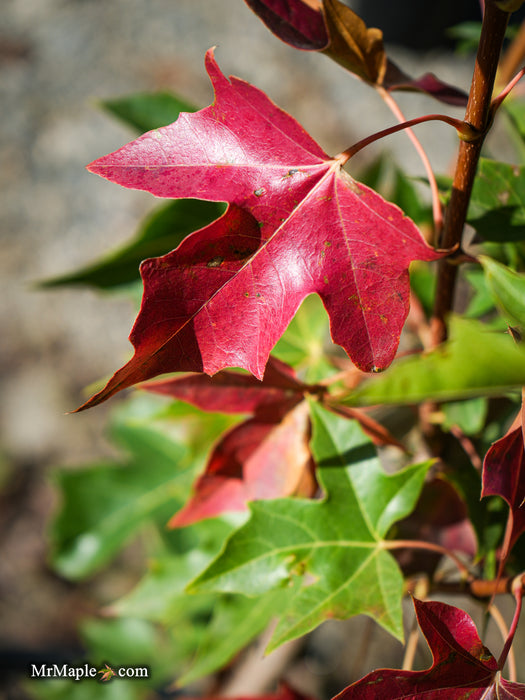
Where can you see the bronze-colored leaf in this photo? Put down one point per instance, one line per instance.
(353, 44)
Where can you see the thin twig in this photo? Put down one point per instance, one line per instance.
(432, 547)
(468, 447)
(498, 618)
(517, 591)
(436, 203)
(496, 102)
(411, 647)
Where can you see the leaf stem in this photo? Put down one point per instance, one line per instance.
(517, 591)
(432, 547)
(496, 102)
(499, 620)
(478, 115)
(467, 132)
(434, 190)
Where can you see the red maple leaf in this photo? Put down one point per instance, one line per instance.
(258, 459)
(267, 456)
(297, 224)
(504, 475)
(233, 392)
(462, 667)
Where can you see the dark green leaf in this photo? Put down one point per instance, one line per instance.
(497, 205)
(147, 111)
(161, 232)
(406, 196)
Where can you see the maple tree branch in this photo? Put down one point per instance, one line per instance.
(437, 212)
(478, 115)
(467, 132)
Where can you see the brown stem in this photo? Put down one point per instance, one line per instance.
(477, 114)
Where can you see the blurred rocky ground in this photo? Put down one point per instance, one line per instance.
(57, 59)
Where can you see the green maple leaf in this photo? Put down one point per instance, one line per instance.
(330, 554)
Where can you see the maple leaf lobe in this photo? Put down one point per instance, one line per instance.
(300, 223)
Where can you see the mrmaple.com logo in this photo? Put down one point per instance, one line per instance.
(78, 673)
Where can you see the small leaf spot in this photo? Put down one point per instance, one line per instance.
(258, 295)
(246, 294)
(215, 262)
(259, 192)
(376, 370)
(325, 280)
(327, 244)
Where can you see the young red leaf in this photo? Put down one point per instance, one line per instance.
(333, 28)
(258, 459)
(297, 224)
(296, 22)
(462, 667)
(504, 475)
(233, 392)
(396, 79)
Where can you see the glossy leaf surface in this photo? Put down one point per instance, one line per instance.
(504, 475)
(330, 552)
(462, 669)
(297, 224)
